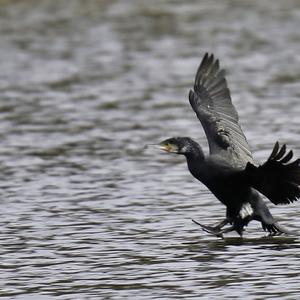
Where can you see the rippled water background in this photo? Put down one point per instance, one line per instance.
(86, 212)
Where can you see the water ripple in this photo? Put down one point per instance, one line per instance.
(86, 212)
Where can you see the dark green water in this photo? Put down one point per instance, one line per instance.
(86, 212)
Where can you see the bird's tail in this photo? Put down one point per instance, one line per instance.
(278, 178)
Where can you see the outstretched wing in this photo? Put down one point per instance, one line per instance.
(278, 178)
(212, 104)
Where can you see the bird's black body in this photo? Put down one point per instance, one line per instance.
(229, 171)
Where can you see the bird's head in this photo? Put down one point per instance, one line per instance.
(181, 145)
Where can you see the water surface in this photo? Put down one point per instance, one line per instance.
(86, 212)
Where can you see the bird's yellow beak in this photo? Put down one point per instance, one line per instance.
(168, 148)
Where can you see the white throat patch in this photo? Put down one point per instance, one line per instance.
(246, 211)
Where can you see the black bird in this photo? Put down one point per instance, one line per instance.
(229, 171)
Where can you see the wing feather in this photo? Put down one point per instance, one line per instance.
(212, 104)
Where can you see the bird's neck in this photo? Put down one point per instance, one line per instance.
(196, 165)
(195, 153)
(195, 159)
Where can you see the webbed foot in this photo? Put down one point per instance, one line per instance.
(276, 229)
(210, 229)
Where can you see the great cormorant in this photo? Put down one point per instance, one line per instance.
(229, 171)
